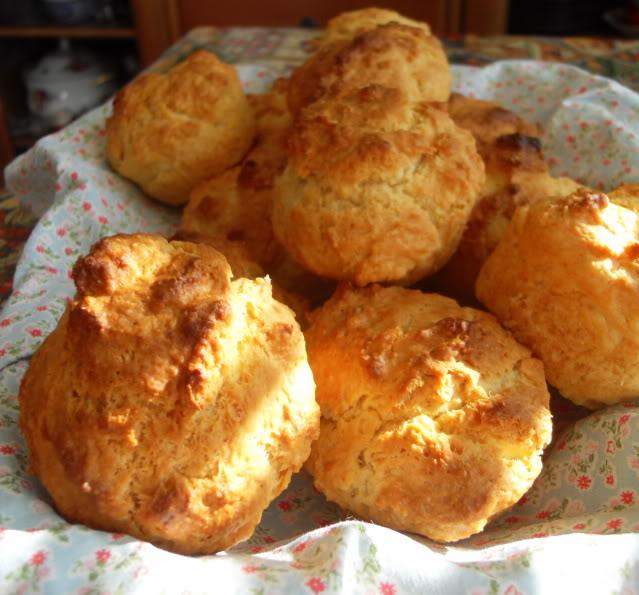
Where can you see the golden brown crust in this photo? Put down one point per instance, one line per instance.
(627, 195)
(376, 188)
(564, 280)
(236, 252)
(391, 55)
(350, 24)
(506, 142)
(271, 109)
(171, 402)
(488, 121)
(433, 417)
(239, 258)
(170, 131)
(237, 203)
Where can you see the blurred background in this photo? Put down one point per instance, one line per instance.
(60, 58)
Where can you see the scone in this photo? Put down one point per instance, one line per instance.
(489, 121)
(171, 402)
(391, 55)
(237, 203)
(350, 24)
(506, 142)
(433, 417)
(563, 279)
(516, 174)
(170, 131)
(377, 188)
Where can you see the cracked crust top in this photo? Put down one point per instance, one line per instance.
(239, 258)
(439, 418)
(172, 402)
(351, 23)
(170, 131)
(377, 188)
(392, 55)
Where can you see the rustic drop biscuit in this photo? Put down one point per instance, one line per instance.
(377, 188)
(433, 417)
(168, 132)
(489, 121)
(171, 402)
(563, 279)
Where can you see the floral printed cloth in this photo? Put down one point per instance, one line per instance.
(574, 531)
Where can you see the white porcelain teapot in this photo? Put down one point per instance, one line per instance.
(66, 83)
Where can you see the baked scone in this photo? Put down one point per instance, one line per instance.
(506, 142)
(377, 188)
(489, 121)
(170, 131)
(516, 174)
(349, 24)
(237, 203)
(391, 55)
(433, 417)
(171, 402)
(563, 279)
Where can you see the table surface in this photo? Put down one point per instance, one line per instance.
(617, 59)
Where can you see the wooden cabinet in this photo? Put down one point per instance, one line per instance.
(285, 12)
(159, 23)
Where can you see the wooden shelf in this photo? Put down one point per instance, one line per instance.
(94, 31)
(27, 141)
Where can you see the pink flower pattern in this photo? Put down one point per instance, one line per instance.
(316, 585)
(579, 526)
(300, 547)
(584, 482)
(102, 555)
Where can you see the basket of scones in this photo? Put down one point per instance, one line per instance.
(375, 280)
